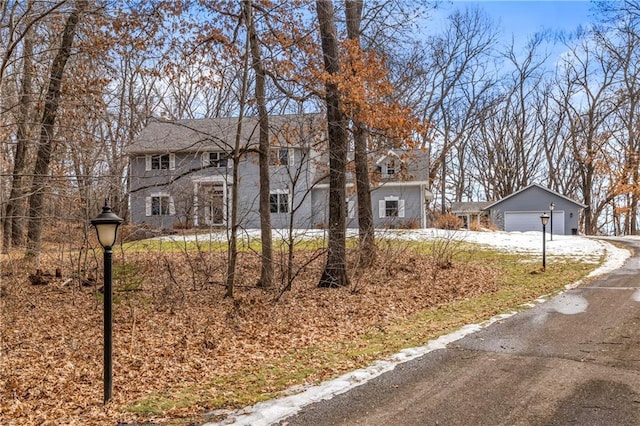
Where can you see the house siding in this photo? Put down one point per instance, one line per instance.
(179, 184)
(409, 196)
(283, 179)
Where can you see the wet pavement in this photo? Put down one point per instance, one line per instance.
(574, 359)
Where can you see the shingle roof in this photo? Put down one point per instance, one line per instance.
(162, 136)
(469, 207)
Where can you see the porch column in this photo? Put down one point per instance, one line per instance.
(196, 222)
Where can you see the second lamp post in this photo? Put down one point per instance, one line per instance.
(544, 219)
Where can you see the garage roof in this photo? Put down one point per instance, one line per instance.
(557, 194)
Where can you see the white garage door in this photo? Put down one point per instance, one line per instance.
(528, 221)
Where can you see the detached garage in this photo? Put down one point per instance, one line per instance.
(521, 211)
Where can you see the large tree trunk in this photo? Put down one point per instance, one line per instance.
(47, 129)
(335, 270)
(13, 234)
(366, 230)
(266, 276)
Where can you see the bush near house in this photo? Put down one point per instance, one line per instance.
(448, 221)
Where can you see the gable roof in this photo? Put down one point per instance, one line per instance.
(414, 161)
(557, 194)
(390, 153)
(164, 136)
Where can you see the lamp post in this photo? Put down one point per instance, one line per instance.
(106, 224)
(551, 207)
(544, 219)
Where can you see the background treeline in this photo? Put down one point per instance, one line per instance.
(79, 79)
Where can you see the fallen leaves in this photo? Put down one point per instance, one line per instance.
(180, 347)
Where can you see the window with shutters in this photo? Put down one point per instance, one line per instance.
(391, 206)
(159, 205)
(160, 162)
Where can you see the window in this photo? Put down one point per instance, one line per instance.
(279, 202)
(391, 168)
(159, 205)
(216, 159)
(279, 157)
(160, 162)
(391, 207)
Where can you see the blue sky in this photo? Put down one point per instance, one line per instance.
(523, 18)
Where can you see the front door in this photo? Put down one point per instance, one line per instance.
(211, 201)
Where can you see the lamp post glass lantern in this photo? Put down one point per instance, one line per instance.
(106, 224)
(544, 219)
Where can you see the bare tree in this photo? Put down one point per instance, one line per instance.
(586, 73)
(18, 26)
(16, 21)
(335, 270)
(47, 129)
(353, 12)
(15, 210)
(450, 76)
(266, 276)
(624, 48)
(507, 147)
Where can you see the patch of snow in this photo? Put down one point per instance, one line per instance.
(514, 242)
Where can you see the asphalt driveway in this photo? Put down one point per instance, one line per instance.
(573, 360)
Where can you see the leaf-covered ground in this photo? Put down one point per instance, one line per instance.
(181, 349)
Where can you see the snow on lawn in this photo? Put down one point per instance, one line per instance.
(270, 412)
(578, 247)
(513, 242)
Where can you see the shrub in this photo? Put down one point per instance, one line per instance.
(475, 226)
(443, 250)
(181, 225)
(448, 221)
(410, 224)
(484, 225)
